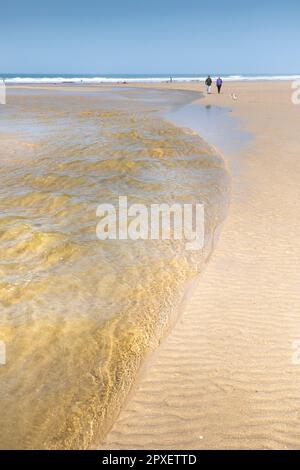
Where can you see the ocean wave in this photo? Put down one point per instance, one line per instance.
(137, 79)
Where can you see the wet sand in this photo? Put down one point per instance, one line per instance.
(224, 378)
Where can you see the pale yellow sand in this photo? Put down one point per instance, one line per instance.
(224, 377)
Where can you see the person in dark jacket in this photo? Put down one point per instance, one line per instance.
(219, 84)
(208, 83)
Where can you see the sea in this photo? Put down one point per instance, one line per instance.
(146, 78)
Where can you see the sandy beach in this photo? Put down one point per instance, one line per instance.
(224, 378)
(221, 368)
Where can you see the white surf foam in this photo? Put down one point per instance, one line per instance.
(95, 80)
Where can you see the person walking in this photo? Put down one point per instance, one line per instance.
(219, 84)
(208, 83)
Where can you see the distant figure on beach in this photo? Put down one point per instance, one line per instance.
(208, 83)
(219, 84)
(171, 79)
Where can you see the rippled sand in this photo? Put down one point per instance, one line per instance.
(228, 375)
(78, 315)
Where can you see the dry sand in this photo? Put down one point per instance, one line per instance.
(224, 377)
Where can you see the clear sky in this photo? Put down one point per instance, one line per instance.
(150, 36)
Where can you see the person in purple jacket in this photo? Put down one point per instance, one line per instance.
(219, 84)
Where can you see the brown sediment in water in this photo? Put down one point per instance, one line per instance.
(78, 315)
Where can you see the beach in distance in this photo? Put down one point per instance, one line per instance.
(143, 344)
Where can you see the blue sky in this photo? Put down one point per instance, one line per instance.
(150, 36)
